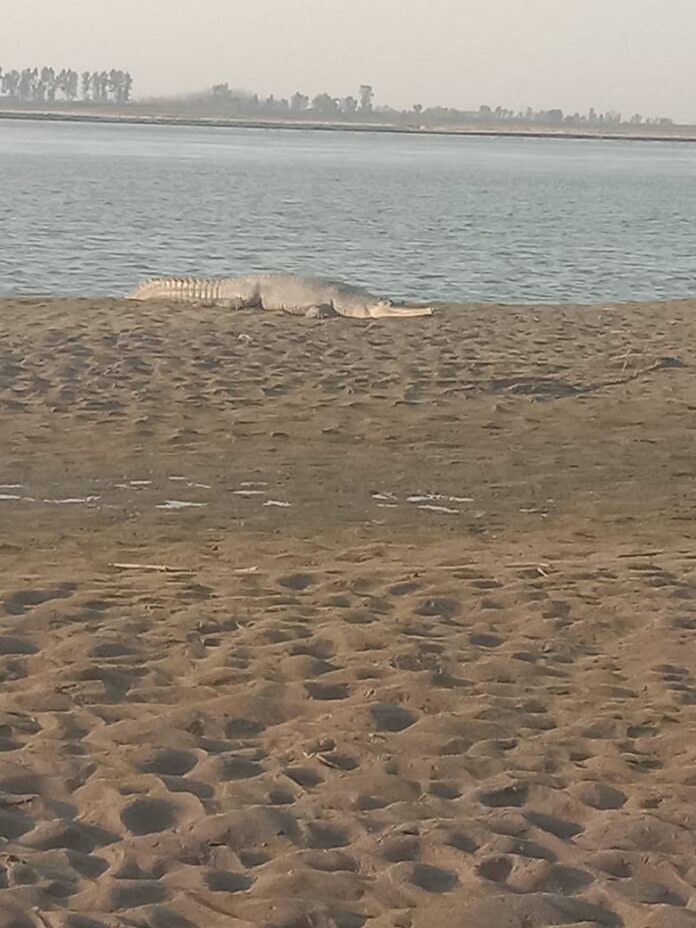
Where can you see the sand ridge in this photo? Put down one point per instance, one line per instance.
(343, 708)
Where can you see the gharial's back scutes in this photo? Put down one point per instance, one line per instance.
(290, 293)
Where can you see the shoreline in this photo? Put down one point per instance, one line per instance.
(443, 308)
(152, 119)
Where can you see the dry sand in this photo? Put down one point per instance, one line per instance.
(430, 658)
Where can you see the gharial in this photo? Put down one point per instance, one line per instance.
(314, 297)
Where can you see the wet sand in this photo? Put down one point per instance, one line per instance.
(424, 654)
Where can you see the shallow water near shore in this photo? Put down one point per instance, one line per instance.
(91, 209)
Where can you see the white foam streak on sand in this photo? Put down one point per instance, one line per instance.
(179, 504)
(431, 502)
(71, 500)
(438, 497)
(190, 483)
(445, 509)
(277, 502)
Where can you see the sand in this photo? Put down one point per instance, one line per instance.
(176, 114)
(425, 651)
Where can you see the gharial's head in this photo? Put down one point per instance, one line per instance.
(388, 309)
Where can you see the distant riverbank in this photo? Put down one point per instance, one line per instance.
(145, 117)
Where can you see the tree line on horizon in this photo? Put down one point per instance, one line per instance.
(362, 108)
(47, 85)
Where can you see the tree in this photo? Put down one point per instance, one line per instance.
(417, 108)
(27, 84)
(71, 84)
(298, 102)
(100, 86)
(127, 86)
(10, 84)
(366, 98)
(60, 84)
(48, 83)
(221, 91)
(325, 105)
(113, 84)
(349, 106)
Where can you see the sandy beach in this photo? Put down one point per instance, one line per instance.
(424, 651)
(144, 115)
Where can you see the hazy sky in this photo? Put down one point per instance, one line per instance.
(630, 55)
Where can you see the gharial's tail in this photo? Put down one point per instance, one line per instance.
(180, 289)
(150, 289)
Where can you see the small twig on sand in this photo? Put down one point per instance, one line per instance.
(639, 357)
(529, 564)
(456, 566)
(640, 554)
(160, 568)
(541, 566)
(638, 372)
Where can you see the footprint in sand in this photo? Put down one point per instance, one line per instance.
(392, 718)
(20, 602)
(148, 816)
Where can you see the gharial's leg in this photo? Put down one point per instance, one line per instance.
(321, 311)
(236, 302)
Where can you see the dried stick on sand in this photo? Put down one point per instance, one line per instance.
(160, 568)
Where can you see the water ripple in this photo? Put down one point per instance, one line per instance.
(90, 209)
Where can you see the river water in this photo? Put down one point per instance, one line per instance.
(90, 209)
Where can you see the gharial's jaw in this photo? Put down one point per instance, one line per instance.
(400, 312)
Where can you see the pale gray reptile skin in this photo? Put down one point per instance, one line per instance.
(290, 293)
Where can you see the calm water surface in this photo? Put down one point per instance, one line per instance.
(91, 209)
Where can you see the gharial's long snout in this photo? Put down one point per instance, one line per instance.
(399, 312)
